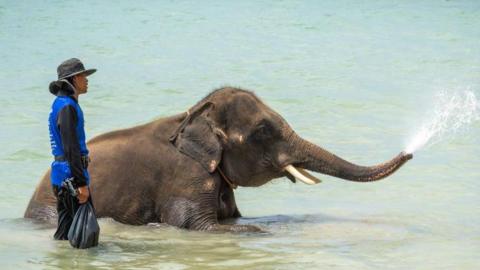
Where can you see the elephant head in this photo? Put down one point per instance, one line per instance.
(233, 131)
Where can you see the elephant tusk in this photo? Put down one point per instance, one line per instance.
(308, 175)
(302, 175)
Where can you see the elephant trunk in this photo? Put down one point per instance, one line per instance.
(320, 160)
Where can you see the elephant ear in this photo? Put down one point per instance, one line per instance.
(196, 138)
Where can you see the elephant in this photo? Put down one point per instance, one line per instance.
(182, 170)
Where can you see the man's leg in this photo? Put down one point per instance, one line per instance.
(67, 206)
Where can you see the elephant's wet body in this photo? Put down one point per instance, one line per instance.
(215, 203)
(136, 185)
(180, 170)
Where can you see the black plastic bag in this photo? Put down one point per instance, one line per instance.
(84, 230)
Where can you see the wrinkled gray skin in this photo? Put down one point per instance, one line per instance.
(168, 170)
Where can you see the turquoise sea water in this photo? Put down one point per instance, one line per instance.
(356, 77)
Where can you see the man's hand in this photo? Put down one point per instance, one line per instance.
(83, 194)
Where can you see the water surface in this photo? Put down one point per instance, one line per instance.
(353, 76)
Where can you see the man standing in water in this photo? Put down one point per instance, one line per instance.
(67, 139)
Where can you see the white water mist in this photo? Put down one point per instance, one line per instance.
(452, 112)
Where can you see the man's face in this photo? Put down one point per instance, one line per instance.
(81, 83)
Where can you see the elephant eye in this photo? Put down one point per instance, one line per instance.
(262, 132)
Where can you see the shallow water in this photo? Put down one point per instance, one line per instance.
(354, 77)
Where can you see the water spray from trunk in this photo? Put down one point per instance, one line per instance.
(453, 112)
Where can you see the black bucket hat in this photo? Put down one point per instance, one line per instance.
(72, 67)
(68, 68)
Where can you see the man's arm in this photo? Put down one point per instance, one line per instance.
(67, 122)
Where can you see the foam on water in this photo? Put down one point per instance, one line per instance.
(452, 112)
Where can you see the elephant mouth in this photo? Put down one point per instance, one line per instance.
(301, 175)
